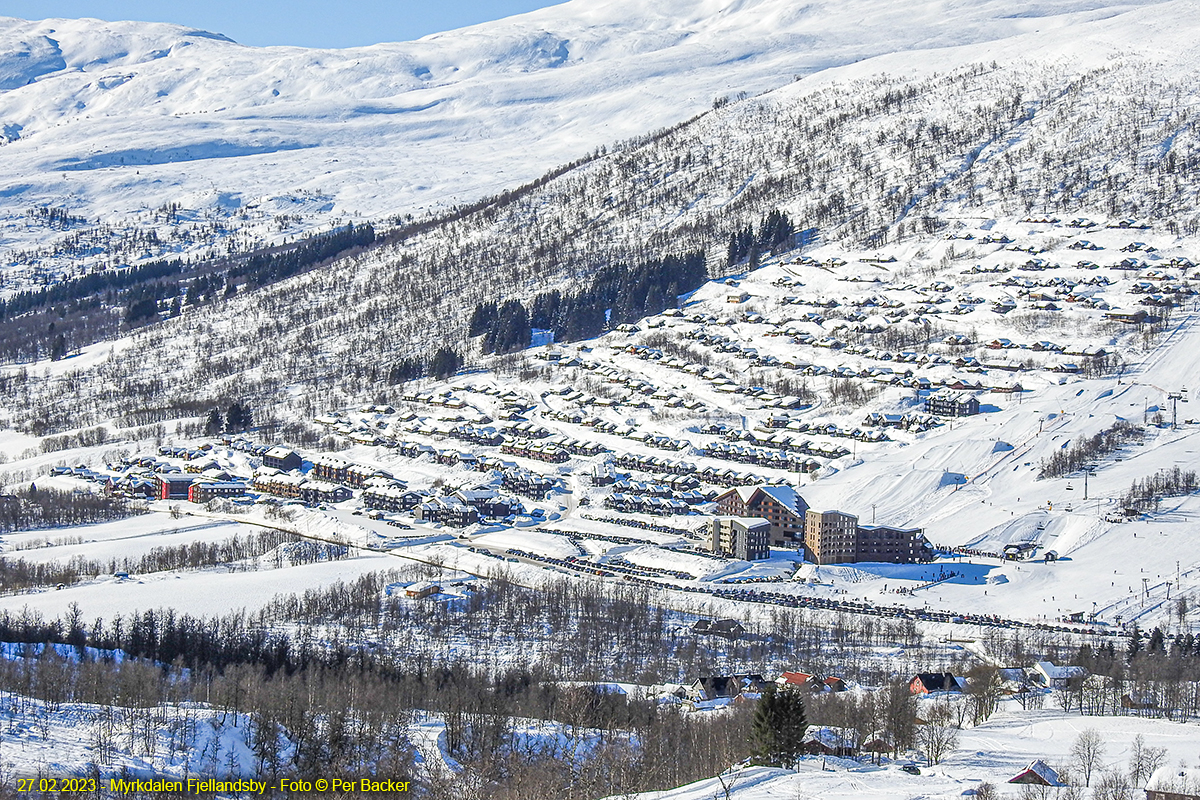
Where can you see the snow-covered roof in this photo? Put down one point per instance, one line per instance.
(1039, 772)
(794, 678)
(322, 486)
(1175, 779)
(749, 522)
(785, 495)
(831, 737)
(1057, 673)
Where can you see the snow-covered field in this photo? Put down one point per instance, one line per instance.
(993, 752)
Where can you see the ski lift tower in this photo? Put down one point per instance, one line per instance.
(1176, 398)
(1087, 470)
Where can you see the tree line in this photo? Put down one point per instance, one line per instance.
(240, 553)
(617, 294)
(238, 417)
(1083, 452)
(1152, 675)
(1147, 493)
(775, 232)
(441, 363)
(33, 509)
(54, 320)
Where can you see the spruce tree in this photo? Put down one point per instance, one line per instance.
(1135, 645)
(444, 363)
(779, 725)
(58, 350)
(233, 418)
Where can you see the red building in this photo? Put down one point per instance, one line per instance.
(173, 486)
(203, 491)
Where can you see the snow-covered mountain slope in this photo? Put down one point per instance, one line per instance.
(113, 120)
(865, 160)
(853, 342)
(971, 141)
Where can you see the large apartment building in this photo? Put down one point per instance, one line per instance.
(779, 505)
(747, 538)
(894, 545)
(830, 537)
(835, 537)
(945, 403)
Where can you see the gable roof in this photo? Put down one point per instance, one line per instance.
(937, 681)
(1184, 782)
(745, 493)
(832, 738)
(1039, 773)
(877, 742)
(729, 685)
(726, 626)
(794, 679)
(785, 496)
(1053, 672)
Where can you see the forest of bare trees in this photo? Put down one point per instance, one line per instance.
(33, 508)
(329, 680)
(1087, 451)
(319, 701)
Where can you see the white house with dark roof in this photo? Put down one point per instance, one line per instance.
(1047, 674)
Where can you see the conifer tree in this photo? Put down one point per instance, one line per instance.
(1136, 645)
(779, 725)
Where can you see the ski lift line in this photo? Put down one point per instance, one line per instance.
(1022, 449)
(1147, 610)
(1135, 600)
(1160, 349)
